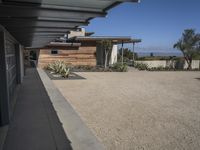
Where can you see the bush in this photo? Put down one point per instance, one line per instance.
(120, 67)
(160, 68)
(125, 59)
(141, 66)
(59, 67)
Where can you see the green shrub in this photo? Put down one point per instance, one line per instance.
(141, 66)
(161, 68)
(120, 67)
(59, 67)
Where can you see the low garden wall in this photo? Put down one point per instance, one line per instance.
(170, 63)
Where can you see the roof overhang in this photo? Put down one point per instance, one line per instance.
(114, 39)
(64, 44)
(34, 23)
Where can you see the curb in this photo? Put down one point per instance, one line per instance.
(79, 134)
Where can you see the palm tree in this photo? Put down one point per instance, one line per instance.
(189, 44)
(106, 45)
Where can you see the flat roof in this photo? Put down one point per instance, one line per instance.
(115, 39)
(36, 22)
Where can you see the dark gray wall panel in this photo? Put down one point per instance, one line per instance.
(11, 65)
(4, 100)
(8, 75)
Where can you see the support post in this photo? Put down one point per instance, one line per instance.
(122, 52)
(18, 63)
(133, 52)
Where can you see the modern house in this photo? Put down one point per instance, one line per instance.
(80, 48)
(33, 24)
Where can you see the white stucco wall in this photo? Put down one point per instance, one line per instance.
(195, 64)
(154, 63)
(165, 63)
(113, 57)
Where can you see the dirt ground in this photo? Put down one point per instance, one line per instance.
(139, 110)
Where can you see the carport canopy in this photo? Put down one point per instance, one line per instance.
(35, 23)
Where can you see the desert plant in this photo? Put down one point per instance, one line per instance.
(59, 67)
(141, 66)
(120, 67)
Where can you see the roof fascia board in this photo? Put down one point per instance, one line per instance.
(119, 2)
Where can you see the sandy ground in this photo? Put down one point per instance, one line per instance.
(139, 110)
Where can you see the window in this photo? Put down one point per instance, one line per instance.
(54, 51)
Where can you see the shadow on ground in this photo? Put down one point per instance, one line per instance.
(35, 124)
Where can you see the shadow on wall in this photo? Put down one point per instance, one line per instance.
(177, 64)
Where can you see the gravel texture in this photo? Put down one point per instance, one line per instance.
(139, 110)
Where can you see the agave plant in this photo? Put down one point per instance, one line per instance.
(65, 73)
(59, 67)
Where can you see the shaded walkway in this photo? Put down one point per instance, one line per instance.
(35, 125)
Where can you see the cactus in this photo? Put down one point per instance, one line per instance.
(59, 67)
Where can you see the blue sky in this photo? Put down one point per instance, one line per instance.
(159, 23)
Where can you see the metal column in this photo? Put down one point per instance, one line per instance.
(122, 52)
(18, 64)
(133, 52)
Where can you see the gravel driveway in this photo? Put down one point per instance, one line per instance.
(139, 110)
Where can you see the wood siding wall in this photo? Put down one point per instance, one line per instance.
(83, 55)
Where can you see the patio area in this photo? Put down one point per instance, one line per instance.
(139, 109)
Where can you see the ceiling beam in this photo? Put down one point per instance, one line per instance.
(38, 30)
(42, 28)
(24, 19)
(32, 11)
(29, 39)
(41, 41)
(39, 34)
(11, 23)
(53, 6)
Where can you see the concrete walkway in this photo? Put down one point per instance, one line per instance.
(35, 125)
